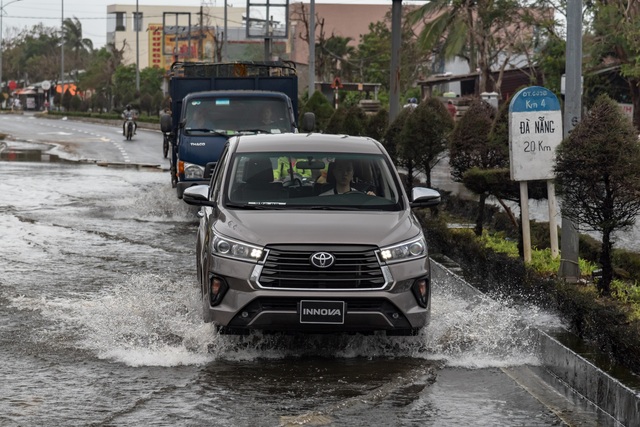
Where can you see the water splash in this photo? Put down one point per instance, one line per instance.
(152, 321)
(153, 203)
(146, 321)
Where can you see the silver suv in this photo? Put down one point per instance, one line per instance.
(311, 233)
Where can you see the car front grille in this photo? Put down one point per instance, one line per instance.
(290, 267)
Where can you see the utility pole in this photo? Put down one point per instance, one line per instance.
(201, 38)
(62, 56)
(225, 38)
(394, 78)
(569, 267)
(312, 47)
(136, 28)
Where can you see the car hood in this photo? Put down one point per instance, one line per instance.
(322, 227)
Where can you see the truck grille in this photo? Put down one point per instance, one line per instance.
(290, 267)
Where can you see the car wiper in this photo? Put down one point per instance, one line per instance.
(267, 205)
(325, 207)
(209, 131)
(256, 130)
(257, 205)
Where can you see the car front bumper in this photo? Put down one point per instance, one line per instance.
(247, 306)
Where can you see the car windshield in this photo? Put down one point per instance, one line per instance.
(233, 115)
(320, 180)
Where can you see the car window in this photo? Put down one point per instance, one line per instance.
(216, 177)
(318, 180)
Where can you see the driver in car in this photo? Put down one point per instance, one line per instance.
(200, 120)
(342, 172)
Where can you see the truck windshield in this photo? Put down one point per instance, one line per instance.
(319, 180)
(232, 115)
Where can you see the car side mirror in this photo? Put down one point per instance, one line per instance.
(197, 195)
(422, 197)
(308, 122)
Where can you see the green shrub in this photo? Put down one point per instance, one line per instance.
(627, 264)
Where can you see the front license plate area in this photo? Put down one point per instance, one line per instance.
(322, 312)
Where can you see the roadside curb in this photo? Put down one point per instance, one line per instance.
(608, 393)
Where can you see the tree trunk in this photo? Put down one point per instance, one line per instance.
(409, 176)
(480, 217)
(634, 89)
(604, 284)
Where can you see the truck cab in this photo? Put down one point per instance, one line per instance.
(212, 102)
(208, 119)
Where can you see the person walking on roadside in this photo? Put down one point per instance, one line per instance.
(451, 108)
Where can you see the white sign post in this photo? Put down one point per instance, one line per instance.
(535, 131)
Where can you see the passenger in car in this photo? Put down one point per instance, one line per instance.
(284, 169)
(340, 174)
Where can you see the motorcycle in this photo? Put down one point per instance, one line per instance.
(129, 128)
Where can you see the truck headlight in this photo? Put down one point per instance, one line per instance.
(192, 171)
(230, 248)
(405, 251)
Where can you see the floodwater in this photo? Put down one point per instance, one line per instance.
(100, 324)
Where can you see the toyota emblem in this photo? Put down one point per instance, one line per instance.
(322, 259)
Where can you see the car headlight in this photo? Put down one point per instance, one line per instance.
(192, 171)
(405, 251)
(230, 248)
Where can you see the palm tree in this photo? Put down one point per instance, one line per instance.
(484, 32)
(332, 57)
(72, 30)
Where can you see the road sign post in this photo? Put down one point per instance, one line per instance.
(535, 131)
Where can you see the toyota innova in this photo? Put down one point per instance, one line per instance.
(311, 233)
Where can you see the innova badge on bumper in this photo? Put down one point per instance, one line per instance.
(322, 312)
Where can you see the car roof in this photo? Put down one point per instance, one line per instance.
(306, 142)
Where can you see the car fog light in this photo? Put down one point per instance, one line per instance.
(217, 290)
(421, 291)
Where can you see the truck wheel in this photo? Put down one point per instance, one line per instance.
(165, 146)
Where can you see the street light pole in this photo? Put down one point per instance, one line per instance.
(312, 48)
(136, 27)
(2, 6)
(225, 36)
(62, 56)
(394, 78)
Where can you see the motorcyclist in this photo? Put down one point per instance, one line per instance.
(126, 114)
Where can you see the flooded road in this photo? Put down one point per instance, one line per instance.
(100, 324)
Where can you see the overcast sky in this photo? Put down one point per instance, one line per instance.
(93, 13)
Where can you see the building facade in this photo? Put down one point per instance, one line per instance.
(142, 38)
(160, 35)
